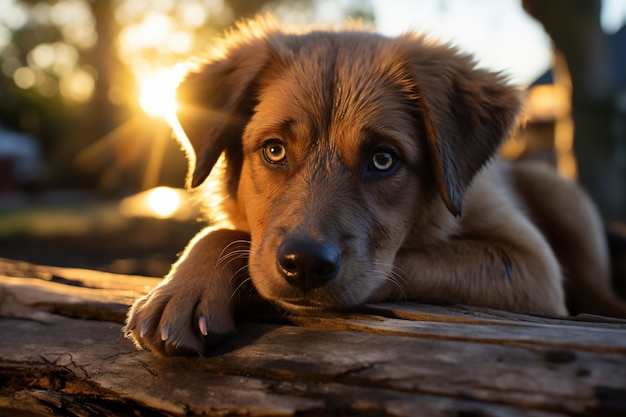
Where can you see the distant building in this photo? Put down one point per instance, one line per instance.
(21, 160)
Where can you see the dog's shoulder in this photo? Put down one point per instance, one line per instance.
(490, 206)
(491, 197)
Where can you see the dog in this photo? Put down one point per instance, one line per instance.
(356, 168)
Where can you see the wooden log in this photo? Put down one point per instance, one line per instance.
(62, 352)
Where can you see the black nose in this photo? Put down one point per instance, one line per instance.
(308, 264)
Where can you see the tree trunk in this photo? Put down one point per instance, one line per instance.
(600, 149)
(62, 353)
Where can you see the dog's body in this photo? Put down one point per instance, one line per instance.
(357, 169)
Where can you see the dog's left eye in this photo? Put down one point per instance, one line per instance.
(274, 152)
(382, 161)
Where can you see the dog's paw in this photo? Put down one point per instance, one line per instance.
(193, 308)
(176, 320)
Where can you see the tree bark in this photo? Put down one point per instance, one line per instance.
(600, 149)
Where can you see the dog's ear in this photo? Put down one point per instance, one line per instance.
(467, 113)
(215, 103)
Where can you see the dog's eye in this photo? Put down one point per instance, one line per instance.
(274, 152)
(382, 161)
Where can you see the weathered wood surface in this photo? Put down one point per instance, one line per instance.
(62, 352)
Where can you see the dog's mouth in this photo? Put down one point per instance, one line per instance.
(303, 304)
(332, 296)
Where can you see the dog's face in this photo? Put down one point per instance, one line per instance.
(339, 146)
(330, 176)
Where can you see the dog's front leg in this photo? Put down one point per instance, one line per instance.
(192, 308)
(483, 272)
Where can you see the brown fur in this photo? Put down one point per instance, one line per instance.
(324, 229)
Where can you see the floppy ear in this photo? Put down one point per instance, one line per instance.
(467, 114)
(215, 103)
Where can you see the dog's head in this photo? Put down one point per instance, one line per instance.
(338, 146)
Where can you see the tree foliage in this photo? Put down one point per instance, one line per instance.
(72, 69)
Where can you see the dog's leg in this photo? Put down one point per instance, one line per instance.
(573, 227)
(192, 308)
(483, 272)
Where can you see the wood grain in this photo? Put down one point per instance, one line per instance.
(62, 352)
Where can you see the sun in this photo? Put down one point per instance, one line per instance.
(158, 92)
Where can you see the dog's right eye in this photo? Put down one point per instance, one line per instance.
(274, 152)
(383, 161)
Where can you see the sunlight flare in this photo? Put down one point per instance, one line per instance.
(158, 92)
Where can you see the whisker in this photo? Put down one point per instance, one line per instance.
(241, 284)
(227, 260)
(231, 256)
(395, 276)
(237, 272)
(228, 251)
(247, 243)
(400, 275)
(395, 271)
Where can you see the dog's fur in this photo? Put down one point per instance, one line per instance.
(358, 168)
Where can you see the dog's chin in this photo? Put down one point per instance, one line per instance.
(318, 300)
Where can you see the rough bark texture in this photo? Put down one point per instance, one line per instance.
(62, 352)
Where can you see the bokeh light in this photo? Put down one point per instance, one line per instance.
(163, 201)
(78, 85)
(159, 202)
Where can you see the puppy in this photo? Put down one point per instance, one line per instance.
(359, 168)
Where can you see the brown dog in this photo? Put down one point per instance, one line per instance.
(357, 169)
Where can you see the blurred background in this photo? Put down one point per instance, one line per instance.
(90, 175)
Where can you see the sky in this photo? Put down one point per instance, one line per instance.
(497, 32)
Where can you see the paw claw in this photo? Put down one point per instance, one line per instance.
(202, 325)
(143, 329)
(165, 331)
